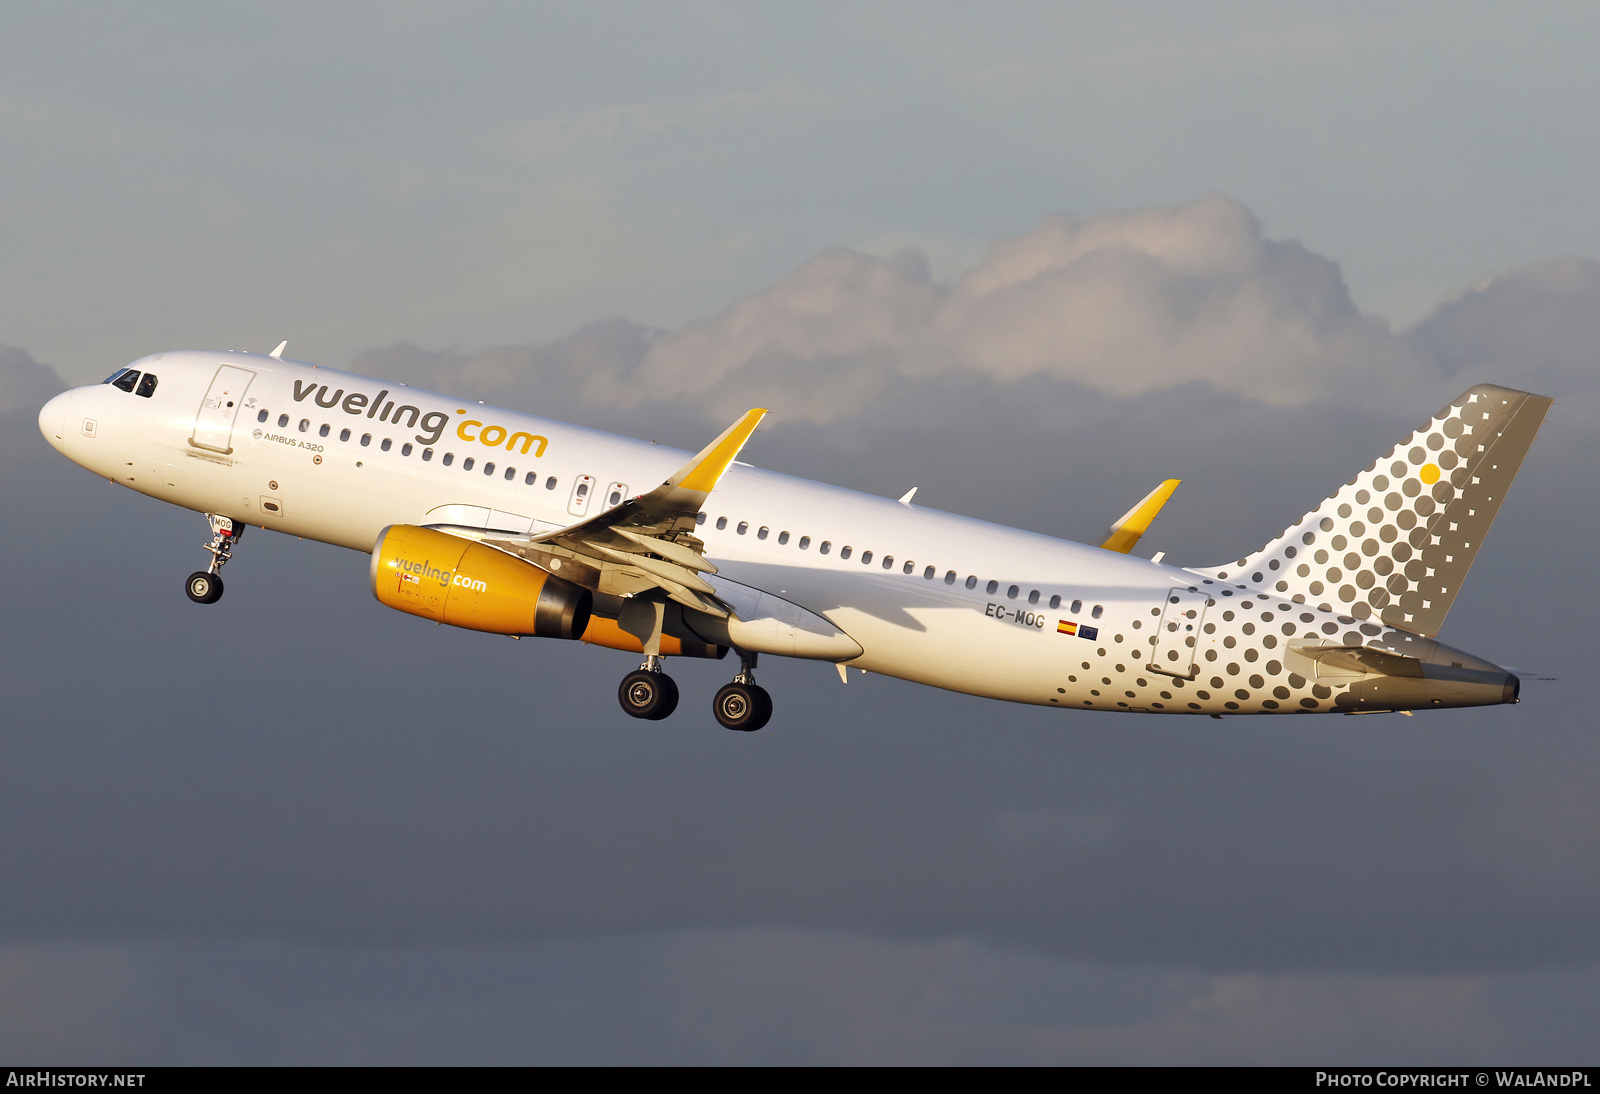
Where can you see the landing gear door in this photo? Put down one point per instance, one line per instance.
(1181, 619)
(213, 425)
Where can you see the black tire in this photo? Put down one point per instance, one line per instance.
(203, 587)
(742, 707)
(649, 695)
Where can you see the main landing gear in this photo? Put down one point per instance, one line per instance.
(205, 586)
(651, 694)
(648, 693)
(743, 705)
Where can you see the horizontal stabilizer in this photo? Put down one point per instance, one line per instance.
(1136, 521)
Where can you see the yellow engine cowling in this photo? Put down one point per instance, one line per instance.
(452, 580)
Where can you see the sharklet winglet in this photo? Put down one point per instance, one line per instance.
(1125, 533)
(702, 473)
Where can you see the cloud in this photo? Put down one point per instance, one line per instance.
(1123, 303)
(749, 996)
(25, 384)
(1540, 322)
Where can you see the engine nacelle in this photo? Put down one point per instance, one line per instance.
(452, 580)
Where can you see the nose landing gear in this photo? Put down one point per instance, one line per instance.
(205, 586)
(743, 705)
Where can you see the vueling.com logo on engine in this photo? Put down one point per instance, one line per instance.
(417, 572)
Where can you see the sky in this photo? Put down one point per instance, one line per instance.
(1032, 260)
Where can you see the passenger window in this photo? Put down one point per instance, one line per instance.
(824, 548)
(1077, 606)
(1055, 601)
(844, 552)
(1011, 593)
(405, 449)
(427, 454)
(147, 386)
(926, 574)
(699, 518)
(908, 567)
(511, 473)
(128, 379)
(323, 432)
(344, 434)
(614, 498)
(261, 416)
(550, 483)
(583, 490)
(283, 420)
(761, 533)
(991, 587)
(305, 424)
(783, 537)
(386, 445)
(488, 468)
(531, 479)
(949, 577)
(866, 557)
(466, 464)
(366, 439)
(744, 526)
(1033, 597)
(972, 581)
(1097, 611)
(722, 523)
(448, 458)
(805, 541)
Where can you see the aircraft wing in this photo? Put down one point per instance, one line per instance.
(647, 542)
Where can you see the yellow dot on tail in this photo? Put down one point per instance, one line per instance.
(1429, 473)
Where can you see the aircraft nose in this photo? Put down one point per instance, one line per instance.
(53, 419)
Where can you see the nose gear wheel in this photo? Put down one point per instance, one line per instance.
(205, 586)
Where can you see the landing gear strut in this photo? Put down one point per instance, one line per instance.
(648, 693)
(743, 705)
(205, 586)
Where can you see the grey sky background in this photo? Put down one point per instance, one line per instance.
(1031, 261)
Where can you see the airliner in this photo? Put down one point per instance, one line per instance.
(494, 520)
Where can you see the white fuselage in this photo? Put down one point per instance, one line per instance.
(931, 597)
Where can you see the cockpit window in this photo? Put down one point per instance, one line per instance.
(126, 380)
(147, 386)
(114, 375)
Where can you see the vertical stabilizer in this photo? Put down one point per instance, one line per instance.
(1397, 540)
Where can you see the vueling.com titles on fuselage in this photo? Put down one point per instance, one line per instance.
(432, 423)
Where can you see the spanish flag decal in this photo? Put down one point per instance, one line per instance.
(1064, 627)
